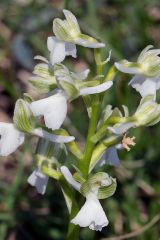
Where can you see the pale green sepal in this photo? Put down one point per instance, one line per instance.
(23, 117)
(148, 112)
(63, 32)
(66, 81)
(70, 89)
(44, 70)
(42, 85)
(48, 166)
(101, 183)
(43, 79)
(108, 191)
(50, 172)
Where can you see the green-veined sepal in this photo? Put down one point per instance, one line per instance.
(101, 183)
(43, 79)
(23, 117)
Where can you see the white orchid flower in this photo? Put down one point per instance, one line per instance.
(67, 35)
(38, 180)
(10, 138)
(146, 70)
(68, 30)
(91, 214)
(53, 108)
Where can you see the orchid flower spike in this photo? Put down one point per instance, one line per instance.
(67, 34)
(11, 138)
(146, 70)
(38, 180)
(91, 214)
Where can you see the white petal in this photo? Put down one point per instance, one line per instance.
(89, 44)
(98, 89)
(145, 86)
(52, 137)
(110, 156)
(10, 138)
(57, 50)
(38, 180)
(70, 49)
(131, 70)
(121, 128)
(82, 75)
(54, 110)
(91, 215)
(68, 176)
(51, 43)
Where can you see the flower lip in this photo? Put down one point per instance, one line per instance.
(11, 138)
(91, 214)
(53, 108)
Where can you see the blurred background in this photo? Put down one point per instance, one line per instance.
(126, 27)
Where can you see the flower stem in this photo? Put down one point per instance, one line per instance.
(91, 131)
(73, 230)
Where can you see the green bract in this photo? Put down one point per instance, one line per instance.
(23, 117)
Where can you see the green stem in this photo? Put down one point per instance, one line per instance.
(73, 207)
(89, 144)
(73, 230)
